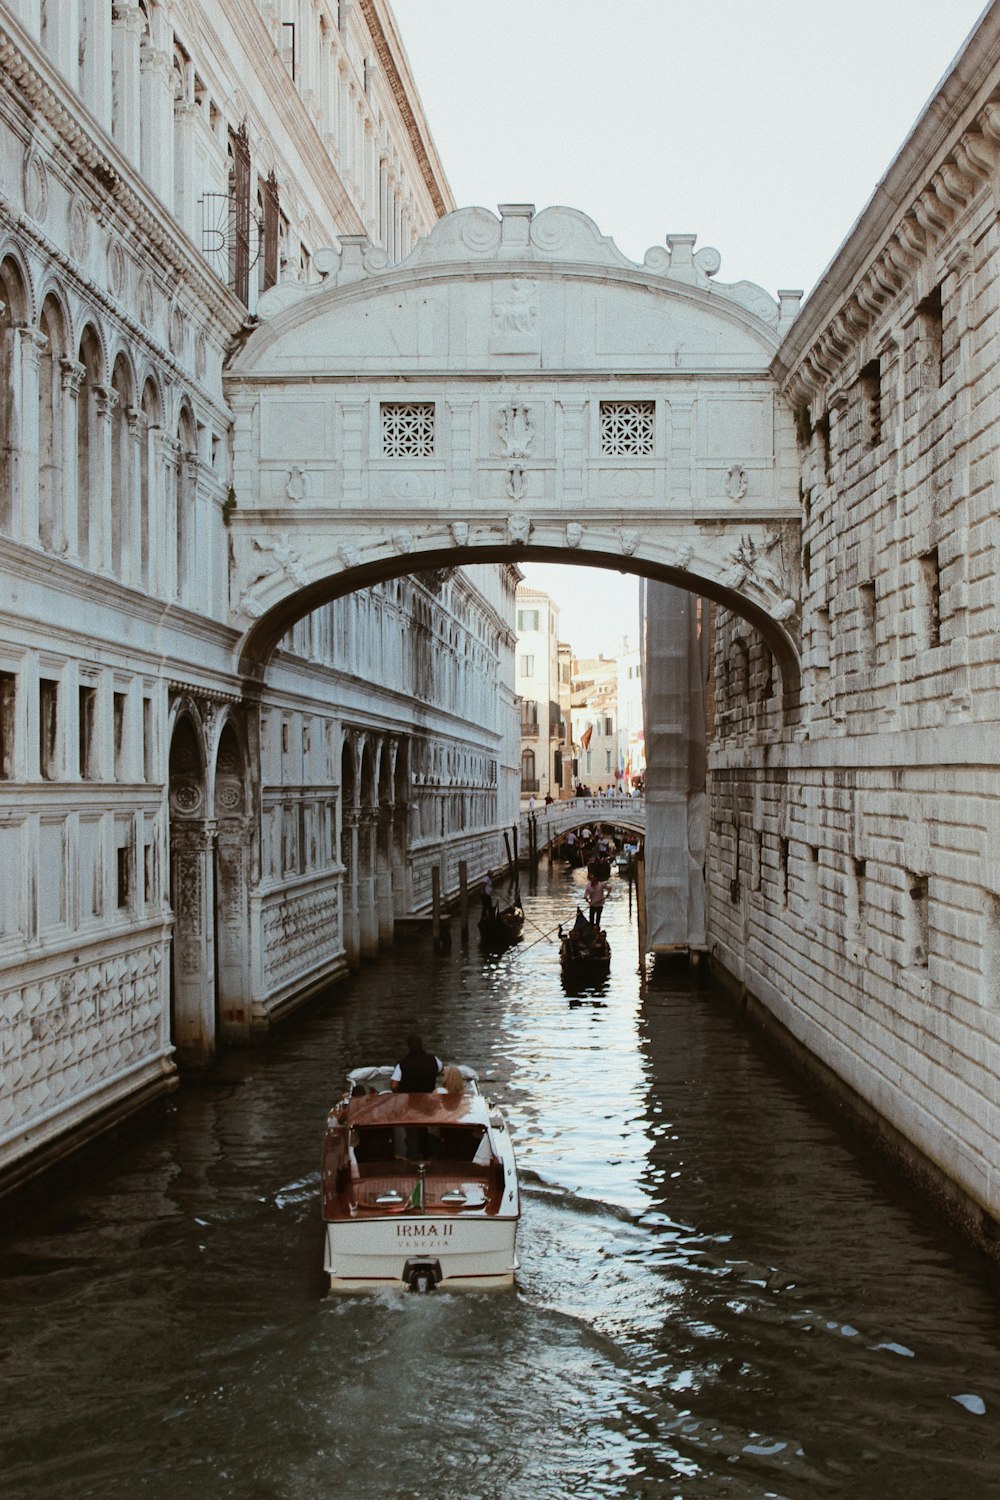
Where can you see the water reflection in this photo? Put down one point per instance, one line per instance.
(720, 1296)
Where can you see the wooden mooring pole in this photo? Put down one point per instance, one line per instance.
(640, 905)
(463, 899)
(436, 907)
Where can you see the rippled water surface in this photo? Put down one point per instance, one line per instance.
(721, 1294)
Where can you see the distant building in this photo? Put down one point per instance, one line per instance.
(631, 761)
(543, 731)
(595, 720)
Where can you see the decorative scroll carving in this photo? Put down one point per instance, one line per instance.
(295, 485)
(516, 486)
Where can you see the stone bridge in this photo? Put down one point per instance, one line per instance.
(515, 389)
(583, 812)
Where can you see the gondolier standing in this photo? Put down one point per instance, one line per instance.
(593, 894)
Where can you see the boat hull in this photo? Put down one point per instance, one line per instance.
(471, 1254)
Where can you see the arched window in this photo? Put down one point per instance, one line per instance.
(12, 315)
(149, 420)
(188, 440)
(121, 469)
(87, 449)
(50, 326)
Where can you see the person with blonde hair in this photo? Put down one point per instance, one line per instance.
(452, 1082)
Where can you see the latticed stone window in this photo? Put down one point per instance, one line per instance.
(408, 429)
(627, 427)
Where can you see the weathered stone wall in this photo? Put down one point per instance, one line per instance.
(855, 867)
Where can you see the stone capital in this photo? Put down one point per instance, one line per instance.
(73, 375)
(32, 344)
(105, 399)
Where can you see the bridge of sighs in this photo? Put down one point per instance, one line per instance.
(516, 388)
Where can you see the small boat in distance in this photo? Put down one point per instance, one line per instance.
(584, 951)
(501, 925)
(419, 1190)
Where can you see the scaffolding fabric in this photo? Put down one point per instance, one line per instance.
(674, 679)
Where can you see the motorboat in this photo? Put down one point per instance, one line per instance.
(419, 1190)
(584, 950)
(501, 925)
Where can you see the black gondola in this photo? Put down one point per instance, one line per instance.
(584, 951)
(501, 926)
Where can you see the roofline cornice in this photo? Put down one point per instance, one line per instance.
(952, 150)
(396, 66)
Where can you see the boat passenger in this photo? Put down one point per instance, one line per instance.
(417, 1072)
(452, 1082)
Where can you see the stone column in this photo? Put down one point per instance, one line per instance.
(192, 849)
(96, 80)
(29, 349)
(105, 401)
(349, 859)
(181, 187)
(367, 908)
(67, 531)
(157, 133)
(128, 25)
(384, 872)
(233, 920)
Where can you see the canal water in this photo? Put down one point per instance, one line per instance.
(721, 1294)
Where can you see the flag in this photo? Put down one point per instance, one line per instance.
(585, 737)
(417, 1196)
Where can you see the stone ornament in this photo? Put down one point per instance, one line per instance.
(296, 487)
(518, 529)
(116, 269)
(36, 186)
(145, 303)
(348, 555)
(402, 540)
(574, 534)
(515, 430)
(460, 533)
(515, 309)
(753, 564)
(516, 486)
(79, 230)
(736, 483)
(628, 537)
(682, 555)
(175, 330)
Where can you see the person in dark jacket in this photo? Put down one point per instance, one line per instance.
(417, 1072)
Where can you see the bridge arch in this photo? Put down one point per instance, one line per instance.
(515, 389)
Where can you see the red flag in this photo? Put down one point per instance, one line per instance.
(585, 737)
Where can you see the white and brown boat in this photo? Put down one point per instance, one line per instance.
(419, 1190)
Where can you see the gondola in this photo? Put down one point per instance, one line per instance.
(584, 951)
(499, 927)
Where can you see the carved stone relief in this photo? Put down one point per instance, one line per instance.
(515, 431)
(736, 484)
(36, 186)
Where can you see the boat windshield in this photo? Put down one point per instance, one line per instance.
(468, 1144)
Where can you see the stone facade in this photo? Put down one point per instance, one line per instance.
(188, 854)
(854, 878)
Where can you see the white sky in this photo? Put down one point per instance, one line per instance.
(760, 125)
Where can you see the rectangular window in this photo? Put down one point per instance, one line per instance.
(118, 709)
(918, 921)
(609, 727)
(870, 381)
(239, 248)
(527, 668)
(86, 717)
(48, 724)
(868, 642)
(408, 429)
(527, 619)
(783, 869)
(8, 710)
(123, 898)
(147, 739)
(627, 427)
(930, 328)
(822, 431)
(930, 578)
(269, 231)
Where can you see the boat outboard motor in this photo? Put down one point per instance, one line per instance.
(422, 1275)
